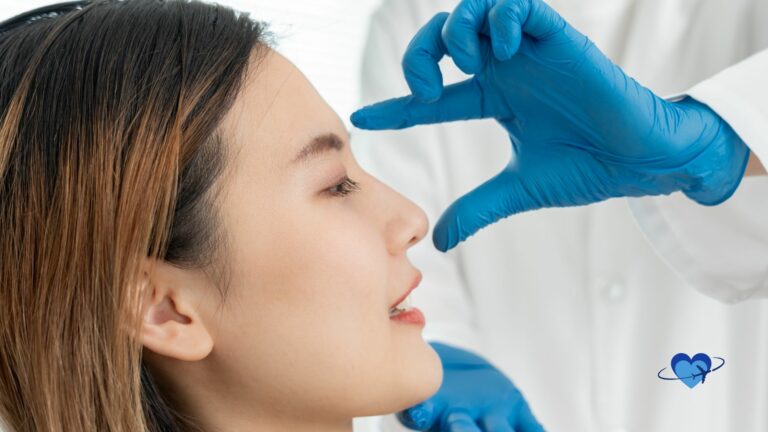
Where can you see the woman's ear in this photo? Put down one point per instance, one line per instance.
(172, 321)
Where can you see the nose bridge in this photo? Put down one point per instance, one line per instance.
(405, 223)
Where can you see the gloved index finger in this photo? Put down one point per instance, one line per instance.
(459, 421)
(459, 101)
(421, 60)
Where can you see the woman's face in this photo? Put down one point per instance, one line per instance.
(315, 265)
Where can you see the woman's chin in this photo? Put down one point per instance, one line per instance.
(429, 378)
(420, 378)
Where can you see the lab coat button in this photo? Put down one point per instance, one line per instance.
(614, 291)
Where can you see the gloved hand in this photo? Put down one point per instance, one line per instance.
(582, 131)
(474, 397)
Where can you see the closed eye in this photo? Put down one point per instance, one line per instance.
(344, 187)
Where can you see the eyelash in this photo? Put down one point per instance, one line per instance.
(345, 187)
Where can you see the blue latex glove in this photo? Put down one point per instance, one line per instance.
(582, 131)
(474, 397)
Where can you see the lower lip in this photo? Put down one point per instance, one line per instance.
(410, 316)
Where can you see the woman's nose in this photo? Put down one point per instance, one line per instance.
(406, 226)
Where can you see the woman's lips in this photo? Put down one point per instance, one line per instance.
(410, 316)
(405, 313)
(414, 284)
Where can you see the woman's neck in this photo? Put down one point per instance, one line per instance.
(225, 423)
(218, 415)
(227, 413)
(222, 410)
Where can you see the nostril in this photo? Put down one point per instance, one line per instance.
(418, 227)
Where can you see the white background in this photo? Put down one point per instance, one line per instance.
(324, 38)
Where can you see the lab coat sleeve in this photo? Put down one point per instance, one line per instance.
(739, 95)
(412, 163)
(722, 251)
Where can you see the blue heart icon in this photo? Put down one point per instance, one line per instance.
(691, 371)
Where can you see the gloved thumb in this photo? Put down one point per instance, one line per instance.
(420, 417)
(501, 196)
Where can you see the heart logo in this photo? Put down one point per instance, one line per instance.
(691, 371)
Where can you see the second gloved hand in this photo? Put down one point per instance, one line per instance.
(474, 397)
(582, 131)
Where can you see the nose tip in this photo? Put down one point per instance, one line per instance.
(408, 227)
(421, 226)
(415, 226)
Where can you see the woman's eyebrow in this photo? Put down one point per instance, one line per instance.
(317, 146)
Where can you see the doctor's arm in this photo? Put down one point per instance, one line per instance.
(582, 131)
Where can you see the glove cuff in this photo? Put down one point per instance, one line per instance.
(718, 170)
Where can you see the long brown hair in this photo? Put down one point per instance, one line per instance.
(109, 153)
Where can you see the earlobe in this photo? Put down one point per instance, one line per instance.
(170, 325)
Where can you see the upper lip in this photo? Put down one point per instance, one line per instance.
(414, 284)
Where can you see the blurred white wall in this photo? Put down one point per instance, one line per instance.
(324, 38)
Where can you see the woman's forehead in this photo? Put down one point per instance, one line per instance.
(271, 86)
(276, 113)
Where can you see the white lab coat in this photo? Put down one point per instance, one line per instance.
(574, 304)
(722, 251)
